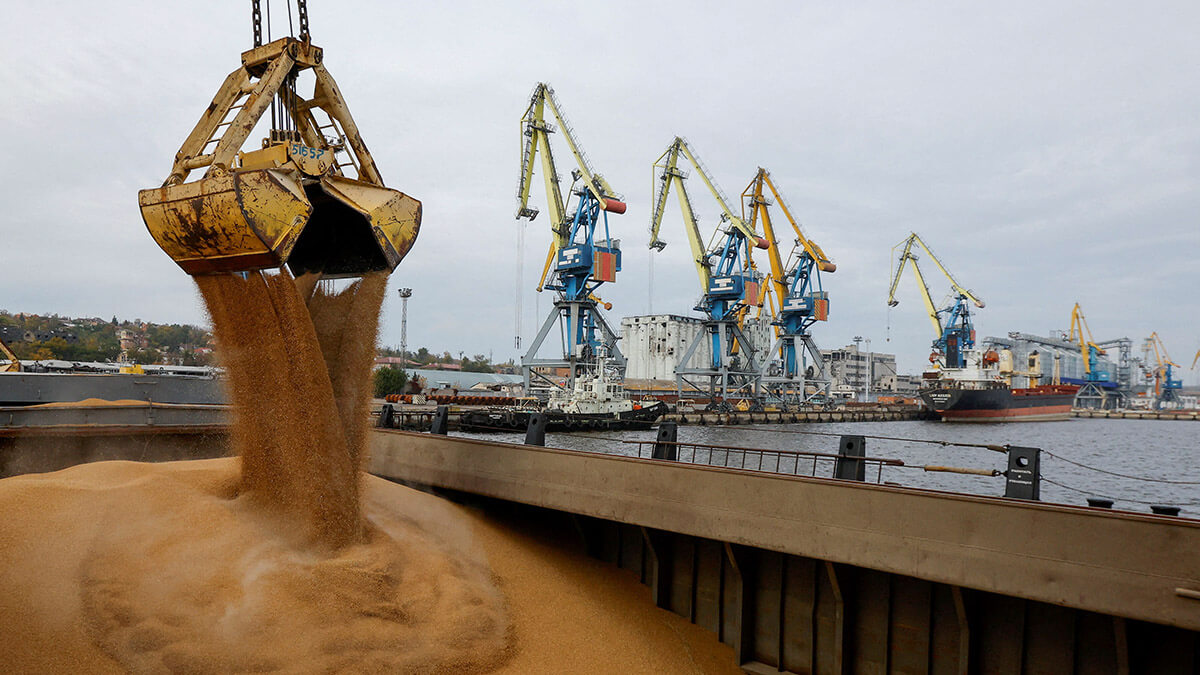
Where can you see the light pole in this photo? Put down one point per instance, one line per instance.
(870, 371)
(858, 349)
(405, 294)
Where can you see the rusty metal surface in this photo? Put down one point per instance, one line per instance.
(1121, 564)
(240, 221)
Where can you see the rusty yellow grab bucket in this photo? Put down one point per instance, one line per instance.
(264, 218)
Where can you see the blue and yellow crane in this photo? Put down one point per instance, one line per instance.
(795, 296)
(1166, 387)
(583, 255)
(955, 335)
(728, 281)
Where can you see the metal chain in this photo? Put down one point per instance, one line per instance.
(302, 6)
(257, 14)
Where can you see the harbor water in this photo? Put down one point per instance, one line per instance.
(1135, 463)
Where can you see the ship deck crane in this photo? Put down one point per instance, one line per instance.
(579, 261)
(795, 296)
(1166, 387)
(729, 284)
(291, 202)
(954, 335)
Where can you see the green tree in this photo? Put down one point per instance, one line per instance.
(389, 380)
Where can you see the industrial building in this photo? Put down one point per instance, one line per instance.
(1062, 361)
(850, 369)
(654, 344)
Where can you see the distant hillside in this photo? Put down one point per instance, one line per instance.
(38, 337)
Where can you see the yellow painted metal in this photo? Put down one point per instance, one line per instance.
(1162, 359)
(289, 202)
(759, 212)
(1196, 359)
(906, 256)
(1078, 328)
(14, 364)
(671, 175)
(536, 130)
(394, 217)
(233, 222)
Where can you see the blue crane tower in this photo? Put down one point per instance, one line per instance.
(956, 334)
(729, 284)
(795, 298)
(579, 260)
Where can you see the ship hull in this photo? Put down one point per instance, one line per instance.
(556, 420)
(1038, 404)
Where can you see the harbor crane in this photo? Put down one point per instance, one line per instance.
(956, 334)
(728, 282)
(795, 297)
(1097, 382)
(579, 260)
(1166, 387)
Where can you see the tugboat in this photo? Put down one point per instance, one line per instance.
(597, 402)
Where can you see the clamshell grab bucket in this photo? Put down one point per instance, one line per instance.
(266, 218)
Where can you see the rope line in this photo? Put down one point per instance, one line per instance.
(985, 446)
(1122, 475)
(1117, 499)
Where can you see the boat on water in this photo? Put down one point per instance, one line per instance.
(982, 391)
(597, 402)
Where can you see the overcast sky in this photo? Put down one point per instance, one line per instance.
(1047, 151)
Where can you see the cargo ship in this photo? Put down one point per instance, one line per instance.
(997, 402)
(982, 391)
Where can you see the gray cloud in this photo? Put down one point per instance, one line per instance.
(1048, 152)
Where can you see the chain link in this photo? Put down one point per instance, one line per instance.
(302, 6)
(257, 13)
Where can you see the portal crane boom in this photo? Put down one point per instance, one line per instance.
(1166, 386)
(581, 256)
(956, 333)
(797, 299)
(1088, 349)
(728, 279)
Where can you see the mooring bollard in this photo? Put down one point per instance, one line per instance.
(1100, 503)
(441, 420)
(846, 466)
(386, 415)
(535, 432)
(1164, 510)
(664, 445)
(1024, 473)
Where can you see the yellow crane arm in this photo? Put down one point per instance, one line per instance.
(536, 132)
(906, 257)
(954, 283)
(14, 364)
(727, 214)
(1197, 358)
(1079, 328)
(823, 262)
(668, 164)
(777, 290)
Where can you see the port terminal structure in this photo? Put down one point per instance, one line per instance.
(795, 298)
(579, 261)
(730, 286)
